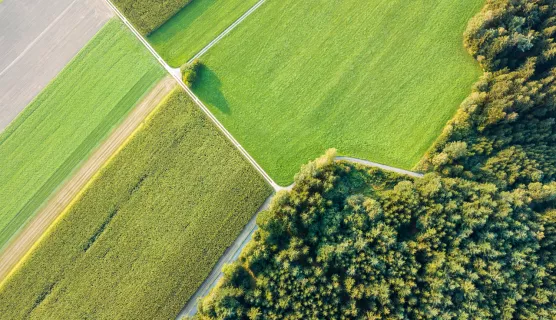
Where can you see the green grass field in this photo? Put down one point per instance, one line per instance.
(375, 79)
(146, 231)
(57, 131)
(197, 24)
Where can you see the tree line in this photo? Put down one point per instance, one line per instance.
(505, 132)
(350, 242)
(474, 239)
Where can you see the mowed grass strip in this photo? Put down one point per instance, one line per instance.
(375, 79)
(146, 232)
(194, 27)
(69, 118)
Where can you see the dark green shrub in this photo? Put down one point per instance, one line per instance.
(189, 72)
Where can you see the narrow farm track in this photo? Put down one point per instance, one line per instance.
(33, 231)
(175, 73)
(228, 30)
(233, 252)
(381, 166)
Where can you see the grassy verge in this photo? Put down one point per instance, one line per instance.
(194, 27)
(146, 231)
(376, 79)
(49, 139)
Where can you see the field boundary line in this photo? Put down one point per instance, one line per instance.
(228, 30)
(175, 73)
(30, 45)
(234, 250)
(24, 242)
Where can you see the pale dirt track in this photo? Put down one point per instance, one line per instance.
(32, 232)
(37, 40)
(232, 253)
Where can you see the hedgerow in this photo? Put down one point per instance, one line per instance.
(147, 230)
(356, 243)
(147, 15)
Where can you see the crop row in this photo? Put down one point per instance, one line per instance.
(68, 119)
(146, 231)
(147, 15)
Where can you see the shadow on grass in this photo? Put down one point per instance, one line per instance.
(207, 86)
(182, 20)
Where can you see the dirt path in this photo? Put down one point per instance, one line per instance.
(380, 166)
(233, 252)
(33, 230)
(228, 30)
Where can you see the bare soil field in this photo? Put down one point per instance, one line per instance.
(38, 38)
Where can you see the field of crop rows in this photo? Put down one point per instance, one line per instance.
(70, 117)
(147, 230)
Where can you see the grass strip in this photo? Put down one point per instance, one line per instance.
(375, 79)
(146, 231)
(68, 119)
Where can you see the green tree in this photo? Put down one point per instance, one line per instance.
(393, 248)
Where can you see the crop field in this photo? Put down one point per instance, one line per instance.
(146, 231)
(147, 15)
(195, 26)
(375, 79)
(70, 117)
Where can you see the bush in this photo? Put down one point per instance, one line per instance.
(189, 72)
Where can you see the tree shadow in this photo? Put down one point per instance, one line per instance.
(183, 19)
(207, 86)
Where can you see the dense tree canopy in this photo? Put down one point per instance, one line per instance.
(355, 243)
(505, 132)
(474, 239)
